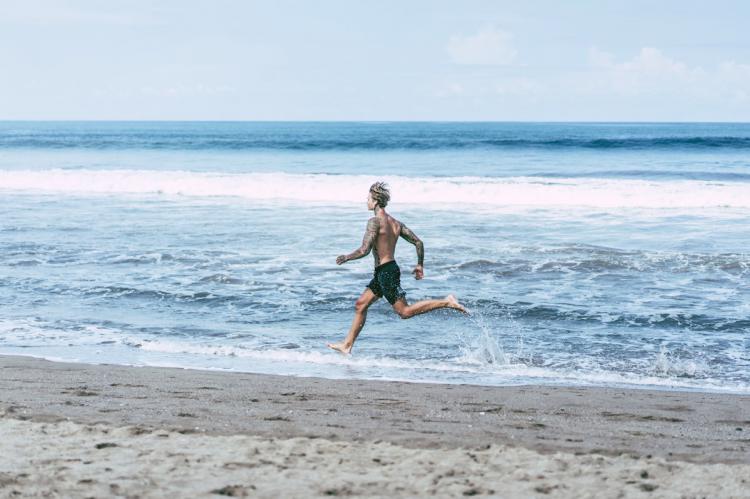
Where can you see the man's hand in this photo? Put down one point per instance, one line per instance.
(418, 272)
(340, 259)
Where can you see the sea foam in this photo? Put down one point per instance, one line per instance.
(424, 191)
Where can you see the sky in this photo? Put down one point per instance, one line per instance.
(468, 60)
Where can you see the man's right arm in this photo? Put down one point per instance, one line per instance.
(410, 236)
(368, 242)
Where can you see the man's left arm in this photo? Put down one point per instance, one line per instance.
(410, 236)
(373, 226)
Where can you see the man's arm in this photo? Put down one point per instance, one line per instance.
(373, 226)
(410, 236)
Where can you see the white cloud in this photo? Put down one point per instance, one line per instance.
(599, 58)
(649, 71)
(519, 86)
(492, 89)
(489, 47)
(734, 80)
(654, 85)
(650, 84)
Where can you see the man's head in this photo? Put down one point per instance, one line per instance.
(379, 195)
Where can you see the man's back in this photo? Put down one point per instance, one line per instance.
(389, 230)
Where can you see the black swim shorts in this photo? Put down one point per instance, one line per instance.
(387, 282)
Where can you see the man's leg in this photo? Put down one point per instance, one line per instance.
(360, 316)
(406, 311)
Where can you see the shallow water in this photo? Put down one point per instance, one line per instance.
(588, 254)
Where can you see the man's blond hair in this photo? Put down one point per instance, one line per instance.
(380, 193)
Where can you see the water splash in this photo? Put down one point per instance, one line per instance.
(482, 349)
(669, 364)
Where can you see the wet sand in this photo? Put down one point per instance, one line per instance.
(179, 431)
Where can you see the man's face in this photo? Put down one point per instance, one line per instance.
(370, 202)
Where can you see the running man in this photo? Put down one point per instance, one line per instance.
(381, 237)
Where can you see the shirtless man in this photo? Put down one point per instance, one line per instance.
(381, 237)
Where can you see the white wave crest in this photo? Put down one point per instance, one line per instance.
(428, 191)
(286, 356)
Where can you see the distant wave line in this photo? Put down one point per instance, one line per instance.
(152, 141)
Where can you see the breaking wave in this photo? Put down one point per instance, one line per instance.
(426, 191)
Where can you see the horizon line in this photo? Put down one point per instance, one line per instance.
(365, 121)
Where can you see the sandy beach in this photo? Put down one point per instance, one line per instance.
(81, 430)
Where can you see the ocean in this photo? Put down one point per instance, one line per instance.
(608, 254)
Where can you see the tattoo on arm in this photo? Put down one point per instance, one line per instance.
(373, 226)
(410, 236)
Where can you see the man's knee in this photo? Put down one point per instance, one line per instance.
(404, 312)
(361, 305)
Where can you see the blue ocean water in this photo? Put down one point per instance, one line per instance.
(590, 254)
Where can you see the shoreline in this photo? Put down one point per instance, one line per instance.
(676, 425)
(535, 381)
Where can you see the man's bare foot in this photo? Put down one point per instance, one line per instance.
(453, 303)
(339, 347)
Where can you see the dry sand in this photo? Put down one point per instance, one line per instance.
(74, 430)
